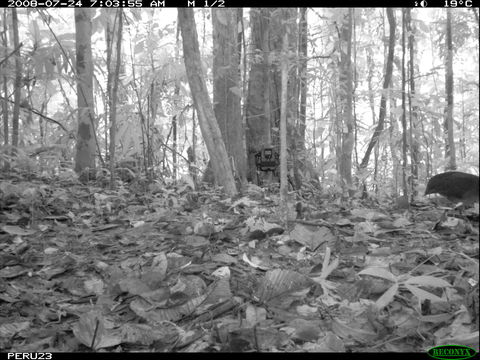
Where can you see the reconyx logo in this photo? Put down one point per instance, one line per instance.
(456, 352)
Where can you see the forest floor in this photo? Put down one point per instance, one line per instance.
(156, 267)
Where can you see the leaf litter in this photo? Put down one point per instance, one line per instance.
(161, 268)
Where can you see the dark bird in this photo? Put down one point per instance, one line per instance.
(456, 186)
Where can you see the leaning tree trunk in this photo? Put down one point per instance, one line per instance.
(386, 84)
(208, 124)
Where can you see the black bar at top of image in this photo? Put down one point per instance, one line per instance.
(310, 3)
(418, 4)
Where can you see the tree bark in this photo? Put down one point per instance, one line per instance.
(450, 154)
(345, 91)
(226, 87)
(258, 131)
(302, 71)
(18, 84)
(112, 96)
(283, 122)
(4, 35)
(415, 146)
(386, 83)
(404, 114)
(208, 124)
(85, 150)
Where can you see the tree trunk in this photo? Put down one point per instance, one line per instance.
(371, 102)
(226, 87)
(285, 20)
(176, 106)
(283, 128)
(345, 91)
(18, 83)
(415, 147)
(386, 84)
(174, 145)
(403, 116)
(85, 150)
(208, 124)
(448, 124)
(302, 70)
(112, 96)
(4, 35)
(257, 103)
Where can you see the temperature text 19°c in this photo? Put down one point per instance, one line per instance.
(456, 3)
